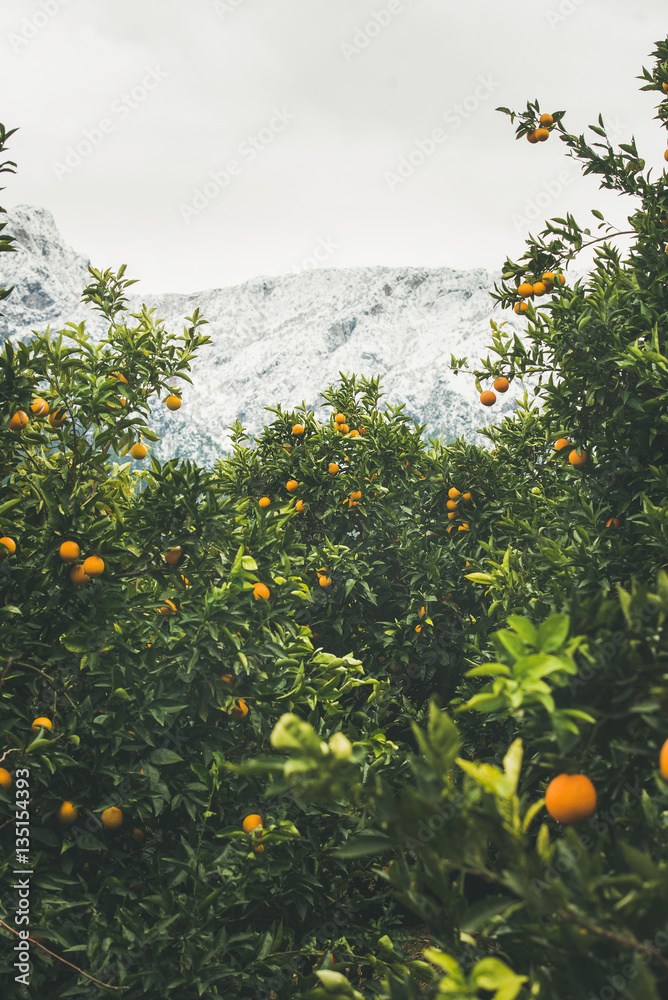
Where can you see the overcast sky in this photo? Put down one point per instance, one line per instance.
(208, 142)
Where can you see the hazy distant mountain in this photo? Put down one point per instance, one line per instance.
(282, 339)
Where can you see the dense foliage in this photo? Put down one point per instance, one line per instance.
(387, 662)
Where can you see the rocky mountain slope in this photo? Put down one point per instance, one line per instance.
(282, 339)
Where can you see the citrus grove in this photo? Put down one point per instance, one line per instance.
(271, 721)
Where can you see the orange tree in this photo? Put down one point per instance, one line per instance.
(570, 561)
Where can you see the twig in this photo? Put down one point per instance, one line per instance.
(624, 941)
(57, 957)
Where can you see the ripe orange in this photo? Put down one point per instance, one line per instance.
(531, 136)
(487, 398)
(665, 86)
(173, 555)
(340, 418)
(173, 402)
(452, 515)
(300, 506)
(570, 798)
(561, 279)
(77, 575)
(260, 590)
(264, 501)
(138, 835)
(344, 428)
(467, 497)
(9, 544)
(69, 551)
(539, 288)
(168, 608)
(39, 407)
(291, 485)
(452, 505)
(501, 384)
(42, 723)
(577, 460)
(423, 611)
(93, 566)
(57, 418)
(139, 450)
(546, 119)
(418, 628)
(525, 290)
(258, 848)
(614, 522)
(542, 134)
(5, 778)
(67, 814)
(663, 760)
(287, 447)
(665, 155)
(354, 434)
(521, 307)
(229, 679)
(240, 710)
(332, 468)
(453, 493)
(356, 495)
(251, 823)
(548, 280)
(112, 818)
(120, 377)
(18, 421)
(561, 443)
(325, 581)
(463, 527)
(297, 429)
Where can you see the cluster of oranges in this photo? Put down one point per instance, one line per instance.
(542, 133)
(39, 408)
(488, 398)
(324, 580)
(576, 458)
(571, 798)
(542, 286)
(80, 573)
(254, 825)
(453, 507)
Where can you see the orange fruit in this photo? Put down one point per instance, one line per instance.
(120, 377)
(665, 155)
(418, 628)
(548, 280)
(423, 611)
(57, 418)
(525, 290)
(325, 581)
(665, 86)
(251, 822)
(264, 501)
(18, 421)
(340, 418)
(663, 760)
(258, 848)
(67, 814)
(453, 493)
(521, 307)
(5, 778)
(42, 723)
(542, 134)
(9, 544)
(139, 450)
(354, 434)
(77, 575)
(287, 447)
(240, 710)
(173, 403)
(344, 428)
(614, 522)
(229, 679)
(467, 497)
(539, 288)
(452, 515)
(168, 608)
(260, 590)
(546, 119)
(531, 136)
(561, 279)
(173, 555)
(561, 443)
(291, 485)
(501, 384)
(39, 407)
(297, 429)
(463, 527)
(452, 505)
(300, 506)
(570, 798)
(112, 818)
(356, 495)
(138, 835)
(487, 398)
(332, 468)
(93, 566)
(577, 460)
(69, 551)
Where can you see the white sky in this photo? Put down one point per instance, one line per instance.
(319, 179)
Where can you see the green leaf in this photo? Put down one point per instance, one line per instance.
(364, 844)
(524, 628)
(512, 764)
(553, 633)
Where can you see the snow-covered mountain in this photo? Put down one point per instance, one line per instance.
(282, 339)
